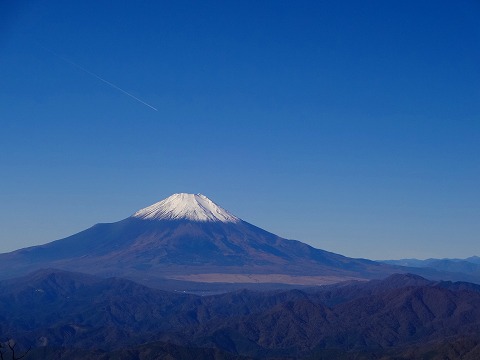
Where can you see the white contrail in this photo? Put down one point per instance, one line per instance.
(98, 77)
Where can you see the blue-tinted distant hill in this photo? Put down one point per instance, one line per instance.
(470, 267)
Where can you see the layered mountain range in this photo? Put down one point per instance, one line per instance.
(64, 315)
(102, 294)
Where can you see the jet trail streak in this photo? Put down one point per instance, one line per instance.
(99, 78)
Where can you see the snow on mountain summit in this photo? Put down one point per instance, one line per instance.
(195, 207)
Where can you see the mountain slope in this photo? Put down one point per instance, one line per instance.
(188, 237)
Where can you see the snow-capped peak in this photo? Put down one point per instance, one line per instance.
(195, 207)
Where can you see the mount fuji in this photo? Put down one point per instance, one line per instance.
(189, 238)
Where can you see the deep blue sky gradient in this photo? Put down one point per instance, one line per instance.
(353, 126)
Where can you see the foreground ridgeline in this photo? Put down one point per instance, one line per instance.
(63, 315)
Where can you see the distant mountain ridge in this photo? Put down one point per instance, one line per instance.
(427, 262)
(470, 266)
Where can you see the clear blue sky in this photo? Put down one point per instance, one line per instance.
(353, 126)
